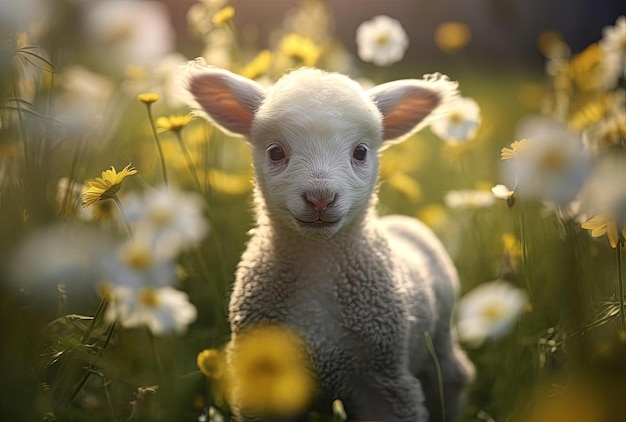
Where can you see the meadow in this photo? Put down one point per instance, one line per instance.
(123, 215)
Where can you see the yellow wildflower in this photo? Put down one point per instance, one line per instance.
(223, 16)
(229, 183)
(301, 49)
(604, 224)
(174, 123)
(269, 372)
(451, 37)
(516, 148)
(148, 97)
(511, 245)
(211, 363)
(406, 185)
(107, 186)
(258, 66)
(590, 114)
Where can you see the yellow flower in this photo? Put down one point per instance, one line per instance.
(174, 123)
(258, 66)
(269, 373)
(511, 245)
(211, 363)
(451, 37)
(603, 224)
(148, 97)
(229, 183)
(589, 115)
(406, 185)
(516, 148)
(107, 186)
(223, 16)
(301, 49)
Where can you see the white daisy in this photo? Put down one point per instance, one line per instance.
(613, 46)
(552, 165)
(135, 33)
(461, 121)
(381, 40)
(489, 311)
(162, 310)
(139, 262)
(469, 199)
(174, 217)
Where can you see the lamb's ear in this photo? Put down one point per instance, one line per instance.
(409, 105)
(227, 99)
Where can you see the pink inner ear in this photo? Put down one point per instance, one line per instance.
(217, 99)
(408, 112)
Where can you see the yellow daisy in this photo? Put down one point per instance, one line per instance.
(269, 372)
(601, 225)
(301, 49)
(148, 97)
(516, 148)
(174, 123)
(107, 186)
(211, 363)
(223, 16)
(258, 66)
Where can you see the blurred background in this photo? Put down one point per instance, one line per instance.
(71, 72)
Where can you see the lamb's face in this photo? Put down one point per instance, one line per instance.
(315, 144)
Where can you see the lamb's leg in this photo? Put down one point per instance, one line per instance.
(387, 396)
(456, 372)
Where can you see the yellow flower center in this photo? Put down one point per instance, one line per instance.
(106, 292)
(493, 311)
(162, 216)
(265, 367)
(455, 118)
(382, 39)
(138, 258)
(149, 297)
(553, 160)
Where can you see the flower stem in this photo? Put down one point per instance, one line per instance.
(192, 168)
(620, 284)
(129, 228)
(155, 351)
(158, 143)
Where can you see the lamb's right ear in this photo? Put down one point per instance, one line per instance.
(227, 99)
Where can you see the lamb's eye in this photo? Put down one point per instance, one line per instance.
(275, 152)
(360, 152)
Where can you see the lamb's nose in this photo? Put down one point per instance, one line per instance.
(320, 204)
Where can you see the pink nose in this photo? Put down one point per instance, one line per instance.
(320, 205)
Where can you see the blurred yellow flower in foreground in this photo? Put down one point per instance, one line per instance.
(107, 186)
(174, 123)
(148, 97)
(269, 372)
(516, 148)
(223, 16)
(451, 37)
(601, 225)
(301, 49)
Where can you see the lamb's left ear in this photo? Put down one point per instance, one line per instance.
(409, 105)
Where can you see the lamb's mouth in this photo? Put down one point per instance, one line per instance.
(319, 223)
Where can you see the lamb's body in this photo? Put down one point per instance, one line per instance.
(366, 293)
(364, 303)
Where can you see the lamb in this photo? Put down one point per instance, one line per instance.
(363, 291)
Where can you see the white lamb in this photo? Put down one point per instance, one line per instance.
(364, 292)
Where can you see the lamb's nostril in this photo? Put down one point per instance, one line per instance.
(320, 204)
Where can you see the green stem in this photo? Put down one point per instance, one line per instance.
(431, 348)
(158, 144)
(620, 284)
(129, 228)
(155, 351)
(192, 168)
